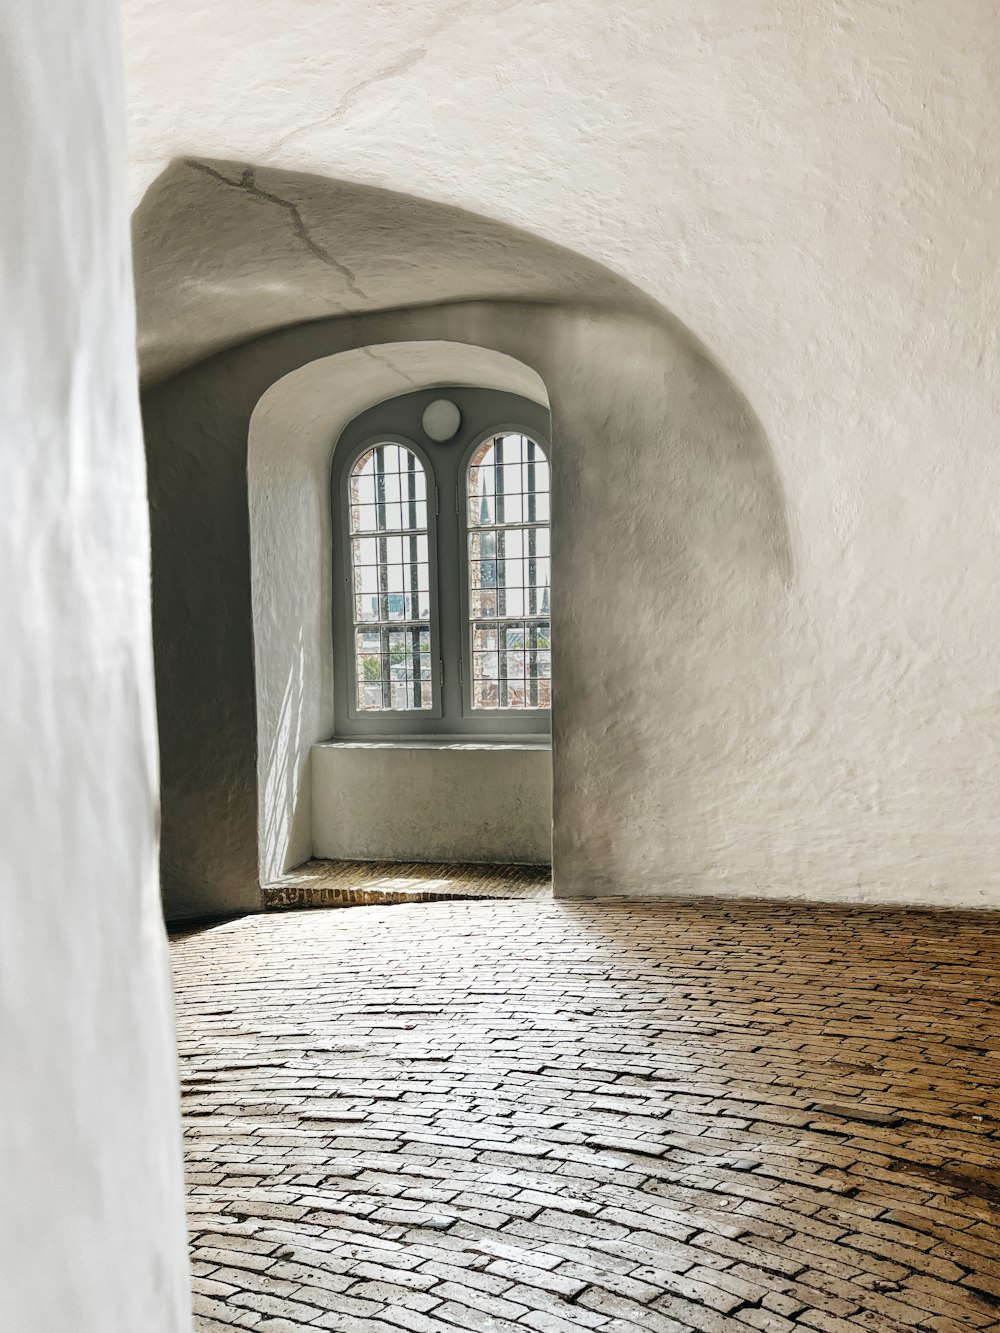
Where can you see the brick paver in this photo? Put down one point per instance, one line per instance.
(372, 883)
(530, 1115)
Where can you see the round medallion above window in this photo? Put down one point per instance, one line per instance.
(441, 420)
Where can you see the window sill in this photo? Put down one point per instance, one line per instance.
(440, 743)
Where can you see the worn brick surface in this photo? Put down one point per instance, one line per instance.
(372, 883)
(513, 1115)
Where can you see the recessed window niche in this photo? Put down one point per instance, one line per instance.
(423, 751)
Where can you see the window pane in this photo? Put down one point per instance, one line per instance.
(483, 604)
(509, 598)
(388, 491)
(508, 482)
(391, 579)
(394, 669)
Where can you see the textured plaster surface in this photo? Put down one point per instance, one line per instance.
(293, 433)
(810, 186)
(812, 189)
(460, 803)
(91, 1208)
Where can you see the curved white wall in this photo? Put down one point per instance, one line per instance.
(91, 1202)
(812, 189)
(293, 432)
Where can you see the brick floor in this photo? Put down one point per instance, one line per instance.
(532, 1115)
(321, 883)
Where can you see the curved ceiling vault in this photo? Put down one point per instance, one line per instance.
(225, 251)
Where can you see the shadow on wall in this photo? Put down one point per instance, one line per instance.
(671, 546)
(226, 251)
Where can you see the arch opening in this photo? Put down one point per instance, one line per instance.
(675, 615)
(293, 431)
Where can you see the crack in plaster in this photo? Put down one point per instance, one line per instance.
(390, 70)
(248, 183)
(390, 365)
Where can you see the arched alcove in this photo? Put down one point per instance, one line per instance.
(670, 524)
(292, 434)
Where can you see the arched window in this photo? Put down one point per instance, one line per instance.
(390, 563)
(507, 493)
(441, 568)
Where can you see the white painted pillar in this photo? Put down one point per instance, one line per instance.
(91, 1203)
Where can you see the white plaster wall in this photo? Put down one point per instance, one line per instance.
(91, 1205)
(293, 431)
(812, 188)
(419, 801)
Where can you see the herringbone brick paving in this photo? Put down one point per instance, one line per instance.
(530, 1115)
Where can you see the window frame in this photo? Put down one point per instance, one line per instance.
(398, 420)
(349, 625)
(507, 714)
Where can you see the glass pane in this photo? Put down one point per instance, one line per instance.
(394, 668)
(483, 604)
(511, 664)
(508, 482)
(388, 491)
(483, 573)
(391, 580)
(509, 598)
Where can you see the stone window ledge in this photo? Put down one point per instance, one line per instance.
(441, 743)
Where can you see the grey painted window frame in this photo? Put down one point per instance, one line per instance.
(485, 412)
(348, 625)
(504, 428)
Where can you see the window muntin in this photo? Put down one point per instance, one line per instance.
(507, 497)
(390, 581)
